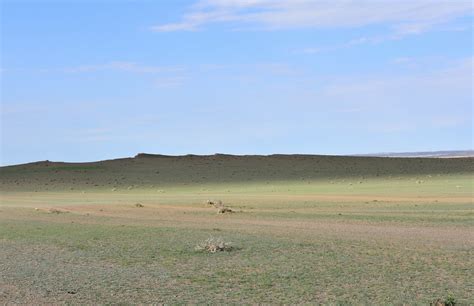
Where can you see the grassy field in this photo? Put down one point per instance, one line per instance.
(305, 229)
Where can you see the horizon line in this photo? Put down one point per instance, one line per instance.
(468, 153)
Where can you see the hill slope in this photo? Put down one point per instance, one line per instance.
(147, 170)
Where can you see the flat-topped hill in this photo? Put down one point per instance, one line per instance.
(148, 170)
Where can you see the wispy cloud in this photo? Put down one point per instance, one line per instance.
(169, 82)
(21, 108)
(397, 125)
(92, 135)
(397, 33)
(122, 66)
(455, 74)
(406, 17)
(419, 97)
(161, 76)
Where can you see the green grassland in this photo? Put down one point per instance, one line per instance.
(305, 229)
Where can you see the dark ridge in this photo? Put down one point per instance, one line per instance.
(160, 171)
(148, 155)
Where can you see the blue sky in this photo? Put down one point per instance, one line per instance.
(89, 80)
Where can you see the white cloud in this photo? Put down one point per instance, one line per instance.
(348, 44)
(406, 17)
(398, 32)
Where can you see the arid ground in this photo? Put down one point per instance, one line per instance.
(304, 229)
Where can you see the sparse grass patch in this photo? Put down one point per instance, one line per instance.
(104, 257)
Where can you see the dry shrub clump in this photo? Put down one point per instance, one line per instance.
(213, 245)
(56, 211)
(217, 203)
(139, 205)
(223, 210)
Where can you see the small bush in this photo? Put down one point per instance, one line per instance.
(217, 203)
(139, 205)
(56, 211)
(450, 300)
(224, 210)
(213, 245)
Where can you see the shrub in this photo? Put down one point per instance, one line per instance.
(450, 300)
(56, 211)
(217, 203)
(213, 245)
(223, 210)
